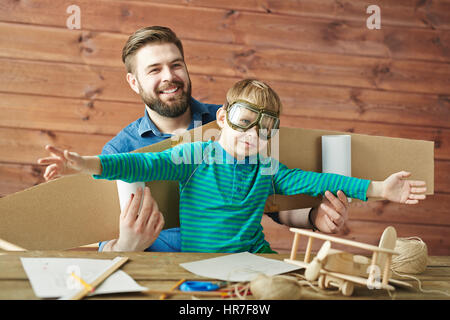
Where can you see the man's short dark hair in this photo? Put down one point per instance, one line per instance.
(144, 36)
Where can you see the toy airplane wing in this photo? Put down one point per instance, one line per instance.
(357, 280)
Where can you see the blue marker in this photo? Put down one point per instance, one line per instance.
(198, 286)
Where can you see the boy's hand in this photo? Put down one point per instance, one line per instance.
(397, 189)
(61, 163)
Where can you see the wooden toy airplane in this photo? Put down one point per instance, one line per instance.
(336, 268)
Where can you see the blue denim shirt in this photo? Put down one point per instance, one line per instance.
(143, 132)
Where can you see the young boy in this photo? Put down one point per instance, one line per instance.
(224, 185)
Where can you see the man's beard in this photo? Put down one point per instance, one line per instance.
(176, 109)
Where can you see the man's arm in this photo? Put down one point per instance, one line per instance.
(329, 217)
(297, 218)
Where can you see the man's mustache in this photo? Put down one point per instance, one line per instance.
(171, 84)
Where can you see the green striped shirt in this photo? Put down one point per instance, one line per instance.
(222, 199)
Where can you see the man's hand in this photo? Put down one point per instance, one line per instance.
(331, 215)
(139, 228)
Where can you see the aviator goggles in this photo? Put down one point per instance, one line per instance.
(243, 115)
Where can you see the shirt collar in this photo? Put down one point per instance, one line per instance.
(197, 109)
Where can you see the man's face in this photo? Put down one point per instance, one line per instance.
(162, 79)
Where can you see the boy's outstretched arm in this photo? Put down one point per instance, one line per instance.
(63, 163)
(397, 189)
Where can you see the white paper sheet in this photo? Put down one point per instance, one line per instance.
(238, 267)
(51, 277)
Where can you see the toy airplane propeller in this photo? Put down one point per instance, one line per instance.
(313, 269)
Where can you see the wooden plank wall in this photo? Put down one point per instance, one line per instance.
(67, 87)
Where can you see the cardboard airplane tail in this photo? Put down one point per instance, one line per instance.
(78, 210)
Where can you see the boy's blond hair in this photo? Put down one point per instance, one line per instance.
(256, 92)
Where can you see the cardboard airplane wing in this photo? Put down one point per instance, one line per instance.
(79, 210)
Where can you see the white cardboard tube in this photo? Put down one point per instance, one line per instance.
(125, 190)
(337, 155)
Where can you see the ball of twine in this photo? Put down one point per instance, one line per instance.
(265, 287)
(413, 256)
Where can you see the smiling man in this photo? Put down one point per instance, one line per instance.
(161, 70)
(156, 71)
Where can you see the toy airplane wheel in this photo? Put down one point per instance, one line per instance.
(327, 282)
(321, 282)
(347, 288)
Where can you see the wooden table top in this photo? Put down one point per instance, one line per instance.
(160, 271)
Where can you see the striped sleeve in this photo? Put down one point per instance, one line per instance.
(173, 164)
(296, 181)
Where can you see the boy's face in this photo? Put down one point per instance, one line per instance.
(237, 143)
(161, 79)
